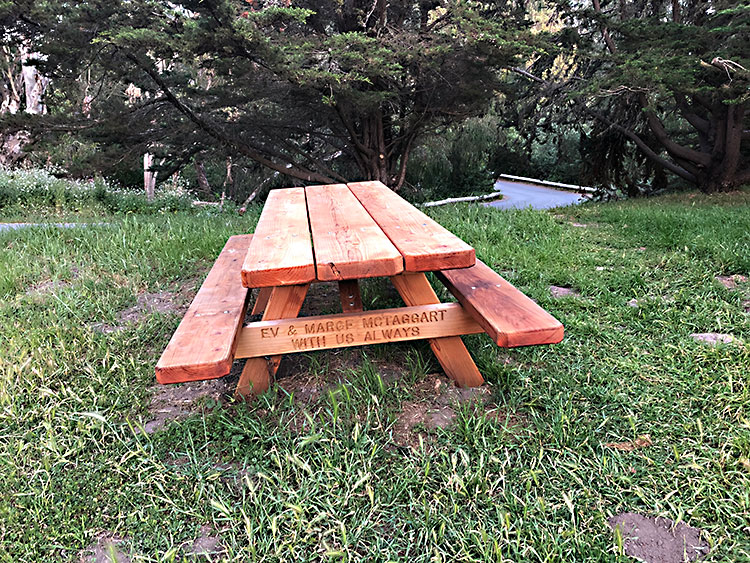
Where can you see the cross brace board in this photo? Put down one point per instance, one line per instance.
(306, 334)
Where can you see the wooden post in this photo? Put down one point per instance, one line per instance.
(284, 302)
(351, 298)
(450, 351)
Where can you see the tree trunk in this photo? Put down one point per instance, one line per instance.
(378, 155)
(34, 86)
(725, 171)
(200, 171)
(149, 176)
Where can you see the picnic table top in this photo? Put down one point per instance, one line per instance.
(346, 231)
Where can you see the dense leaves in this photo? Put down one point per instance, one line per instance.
(319, 91)
(669, 79)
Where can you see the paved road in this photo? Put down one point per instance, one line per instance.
(520, 195)
(13, 226)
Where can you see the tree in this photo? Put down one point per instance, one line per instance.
(318, 91)
(669, 76)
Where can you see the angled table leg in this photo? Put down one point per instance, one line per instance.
(283, 302)
(450, 351)
(264, 294)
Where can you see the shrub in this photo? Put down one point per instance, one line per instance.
(39, 190)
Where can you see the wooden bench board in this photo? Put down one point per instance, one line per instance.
(425, 245)
(347, 242)
(507, 315)
(203, 345)
(281, 251)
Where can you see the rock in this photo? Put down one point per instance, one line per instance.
(713, 338)
(731, 282)
(105, 550)
(559, 292)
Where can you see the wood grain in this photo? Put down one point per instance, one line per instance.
(256, 376)
(354, 329)
(351, 298)
(425, 245)
(451, 352)
(203, 345)
(264, 294)
(509, 317)
(281, 251)
(348, 243)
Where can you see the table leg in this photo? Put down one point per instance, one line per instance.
(284, 302)
(264, 293)
(450, 351)
(351, 298)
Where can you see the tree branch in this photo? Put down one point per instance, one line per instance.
(289, 169)
(640, 143)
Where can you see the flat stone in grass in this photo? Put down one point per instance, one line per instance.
(104, 551)
(713, 338)
(205, 547)
(731, 282)
(659, 540)
(559, 292)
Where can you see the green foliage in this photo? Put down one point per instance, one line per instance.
(670, 77)
(325, 479)
(37, 191)
(319, 91)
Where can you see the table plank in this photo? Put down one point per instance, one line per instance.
(425, 245)
(280, 252)
(347, 242)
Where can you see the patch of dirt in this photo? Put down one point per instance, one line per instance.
(634, 303)
(415, 416)
(305, 388)
(713, 338)
(731, 282)
(642, 441)
(746, 305)
(560, 292)
(164, 302)
(434, 406)
(205, 546)
(105, 550)
(659, 540)
(172, 402)
(46, 287)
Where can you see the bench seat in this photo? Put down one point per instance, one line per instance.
(203, 345)
(507, 315)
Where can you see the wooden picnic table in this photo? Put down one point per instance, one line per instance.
(345, 233)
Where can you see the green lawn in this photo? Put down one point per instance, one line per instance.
(325, 478)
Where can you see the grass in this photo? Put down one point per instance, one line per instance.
(74, 465)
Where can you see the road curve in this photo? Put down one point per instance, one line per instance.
(519, 195)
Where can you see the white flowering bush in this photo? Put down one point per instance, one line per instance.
(39, 188)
